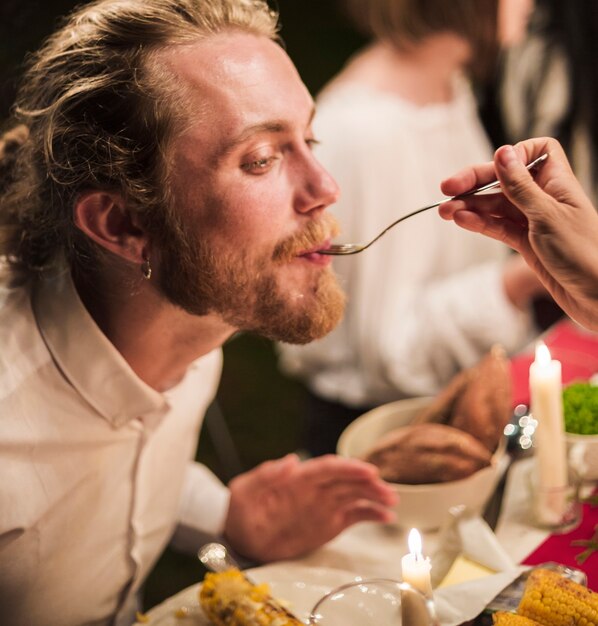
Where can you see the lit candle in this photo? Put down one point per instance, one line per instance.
(416, 568)
(551, 452)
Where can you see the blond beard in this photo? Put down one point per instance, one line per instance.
(246, 294)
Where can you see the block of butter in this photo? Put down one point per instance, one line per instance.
(463, 570)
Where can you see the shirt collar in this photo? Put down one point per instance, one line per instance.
(86, 357)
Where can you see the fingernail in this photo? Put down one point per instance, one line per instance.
(507, 156)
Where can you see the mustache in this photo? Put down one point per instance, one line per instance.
(313, 235)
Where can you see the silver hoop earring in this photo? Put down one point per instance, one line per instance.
(146, 269)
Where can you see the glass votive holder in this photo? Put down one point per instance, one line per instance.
(557, 509)
(374, 602)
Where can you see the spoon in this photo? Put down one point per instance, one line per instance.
(354, 248)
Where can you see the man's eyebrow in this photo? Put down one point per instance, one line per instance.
(250, 131)
(274, 126)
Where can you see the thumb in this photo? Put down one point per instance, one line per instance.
(516, 182)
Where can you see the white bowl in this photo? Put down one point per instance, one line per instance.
(582, 453)
(420, 506)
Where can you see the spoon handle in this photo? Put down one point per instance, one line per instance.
(217, 558)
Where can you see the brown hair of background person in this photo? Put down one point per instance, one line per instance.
(409, 21)
(96, 112)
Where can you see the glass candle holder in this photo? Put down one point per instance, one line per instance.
(556, 509)
(374, 602)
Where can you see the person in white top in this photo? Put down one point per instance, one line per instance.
(425, 301)
(159, 194)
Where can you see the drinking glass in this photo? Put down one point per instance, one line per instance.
(374, 602)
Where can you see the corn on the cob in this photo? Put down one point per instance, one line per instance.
(503, 618)
(229, 599)
(554, 600)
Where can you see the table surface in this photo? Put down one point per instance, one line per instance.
(375, 550)
(372, 550)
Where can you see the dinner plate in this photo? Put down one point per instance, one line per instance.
(298, 586)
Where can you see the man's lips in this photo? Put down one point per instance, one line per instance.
(315, 249)
(313, 253)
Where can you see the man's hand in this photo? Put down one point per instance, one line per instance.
(547, 218)
(285, 508)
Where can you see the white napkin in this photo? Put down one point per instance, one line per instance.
(469, 535)
(460, 603)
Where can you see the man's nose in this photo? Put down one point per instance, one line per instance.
(319, 188)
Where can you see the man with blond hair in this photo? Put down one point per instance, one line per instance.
(159, 195)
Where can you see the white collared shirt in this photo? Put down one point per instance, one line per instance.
(96, 467)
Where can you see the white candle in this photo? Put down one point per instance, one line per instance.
(416, 568)
(551, 452)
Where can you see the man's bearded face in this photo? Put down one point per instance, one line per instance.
(249, 195)
(249, 291)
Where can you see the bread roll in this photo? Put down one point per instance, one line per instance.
(428, 453)
(440, 410)
(484, 406)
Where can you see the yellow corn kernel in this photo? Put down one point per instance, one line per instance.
(229, 599)
(502, 618)
(554, 600)
(182, 612)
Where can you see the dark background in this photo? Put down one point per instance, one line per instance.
(260, 407)
(317, 36)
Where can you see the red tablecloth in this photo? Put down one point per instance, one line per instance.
(558, 548)
(574, 347)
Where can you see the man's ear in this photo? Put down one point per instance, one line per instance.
(103, 217)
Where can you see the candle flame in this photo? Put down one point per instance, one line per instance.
(414, 541)
(542, 354)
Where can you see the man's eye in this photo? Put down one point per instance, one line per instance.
(312, 142)
(259, 165)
